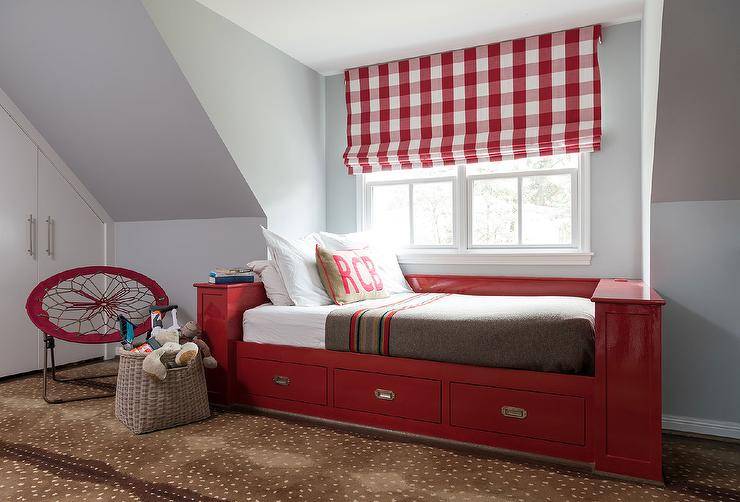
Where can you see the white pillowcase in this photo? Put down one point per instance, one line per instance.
(273, 283)
(386, 261)
(296, 263)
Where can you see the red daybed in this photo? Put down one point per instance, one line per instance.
(611, 420)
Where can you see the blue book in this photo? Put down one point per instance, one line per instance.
(231, 274)
(231, 279)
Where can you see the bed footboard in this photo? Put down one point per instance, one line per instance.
(628, 401)
(220, 310)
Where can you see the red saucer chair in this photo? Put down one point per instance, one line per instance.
(82, 305)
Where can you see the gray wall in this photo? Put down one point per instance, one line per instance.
(178, 253)
(696, 267)
(615, 170)
(699, 104)
(695, 232)
(98, 82)
(267, 107)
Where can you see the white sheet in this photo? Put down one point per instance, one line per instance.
(295, 326)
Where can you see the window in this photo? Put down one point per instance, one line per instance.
(534, 208)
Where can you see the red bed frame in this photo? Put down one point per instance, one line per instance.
(611, 421)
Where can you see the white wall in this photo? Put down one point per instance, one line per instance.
(652, 23)
(178, 253)
(267, 107)
(615, 170)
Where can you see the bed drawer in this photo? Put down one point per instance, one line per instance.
(297, 382)
(398, 396)
(531, 414)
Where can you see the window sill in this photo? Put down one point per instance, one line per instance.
(528, 257)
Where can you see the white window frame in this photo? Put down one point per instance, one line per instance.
(463, 252)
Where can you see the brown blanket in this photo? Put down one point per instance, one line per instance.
(538, 333)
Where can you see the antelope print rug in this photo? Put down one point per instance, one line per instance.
(79, 452)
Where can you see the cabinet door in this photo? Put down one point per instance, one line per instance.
(18, 268)
(70, 235)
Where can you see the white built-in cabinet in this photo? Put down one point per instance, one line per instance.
(45, 228)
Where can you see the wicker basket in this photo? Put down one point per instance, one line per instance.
(144, 404)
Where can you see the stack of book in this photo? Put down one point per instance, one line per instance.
(232, 276)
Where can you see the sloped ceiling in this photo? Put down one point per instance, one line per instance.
(267, 107)
(96, 79)
(698, 116)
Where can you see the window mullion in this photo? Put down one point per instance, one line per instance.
(461, 209)
(575, 220)
(411, 214)
(519, 209)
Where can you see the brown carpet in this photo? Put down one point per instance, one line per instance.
(79, 451)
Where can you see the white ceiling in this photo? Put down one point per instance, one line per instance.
(331, 35)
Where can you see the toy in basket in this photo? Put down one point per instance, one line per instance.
(161, 382)
(184, 342)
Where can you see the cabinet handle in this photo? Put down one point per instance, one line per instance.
(385, 395)
(49, 236)
(281, 380)
(514, 412)
(30, 234)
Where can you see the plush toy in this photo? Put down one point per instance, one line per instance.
(153, 364)
(184, 342)
(166, 335)
(191, 333)
(188, 351)
(169, 340)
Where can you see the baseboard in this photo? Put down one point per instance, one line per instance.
(702, 426)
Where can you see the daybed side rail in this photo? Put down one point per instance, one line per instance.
(628, 379)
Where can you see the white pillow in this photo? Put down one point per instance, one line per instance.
(386, 261)
(273, 283)
(296, 262)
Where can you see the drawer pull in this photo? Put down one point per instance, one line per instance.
(281, 380)
(385, 395)
(514, 412)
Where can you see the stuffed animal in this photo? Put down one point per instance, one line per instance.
(169, 340)
(153, 364)
(191, 333)
(188, 351)
(165, 335)
(185, 343)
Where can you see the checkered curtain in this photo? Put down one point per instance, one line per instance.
(529, 97)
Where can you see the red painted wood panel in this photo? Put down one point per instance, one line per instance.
(573, 385)
(398, 396)
(220, 309)
(554, 383)
(627, 386)
(548, 416)
(296, 382)
(626, 291)
(212, 319)
(628, 399)
(577, 453)
(503, 286)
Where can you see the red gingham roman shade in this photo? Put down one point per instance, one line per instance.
(528, 97)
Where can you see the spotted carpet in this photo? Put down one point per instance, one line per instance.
(79, 451)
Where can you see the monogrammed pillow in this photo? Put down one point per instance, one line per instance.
(349, 276)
